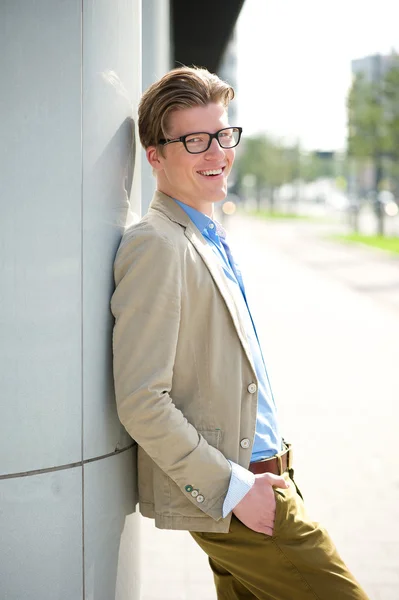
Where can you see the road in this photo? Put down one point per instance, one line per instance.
(328, 319)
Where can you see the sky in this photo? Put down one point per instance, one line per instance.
(294, 64)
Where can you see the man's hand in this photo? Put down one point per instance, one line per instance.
(257, 509)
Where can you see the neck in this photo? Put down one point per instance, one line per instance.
(205, 208)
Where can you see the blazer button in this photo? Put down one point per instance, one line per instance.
(200, 498)
(252, 388)
(245, 443)
(194, 493)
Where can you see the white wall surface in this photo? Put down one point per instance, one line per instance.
(156, 46)
(70, 84)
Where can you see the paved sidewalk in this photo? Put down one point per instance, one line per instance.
(328, 319)
(363, 269)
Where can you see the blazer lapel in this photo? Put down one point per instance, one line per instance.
(173, 211)
(216, 271)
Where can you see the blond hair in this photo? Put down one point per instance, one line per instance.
(184, 87)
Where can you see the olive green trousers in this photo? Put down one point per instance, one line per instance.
(298, 562)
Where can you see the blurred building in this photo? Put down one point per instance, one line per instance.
(373, 67)
(228, 72)
(72, 76)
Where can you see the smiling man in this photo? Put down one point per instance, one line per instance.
(195, 166)
(191, 384)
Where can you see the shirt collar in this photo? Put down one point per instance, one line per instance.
(202, 222)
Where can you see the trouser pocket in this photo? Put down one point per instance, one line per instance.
(291, 475)
(289, 505)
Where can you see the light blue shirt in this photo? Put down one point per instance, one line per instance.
(267, 440)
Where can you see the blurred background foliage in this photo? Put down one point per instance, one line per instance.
(277, 175)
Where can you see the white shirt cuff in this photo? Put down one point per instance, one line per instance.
(241, 481)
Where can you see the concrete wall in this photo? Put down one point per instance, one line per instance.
(157, 57)
(71, 80)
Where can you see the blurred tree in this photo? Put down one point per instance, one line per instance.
(391, 116)
(253, 160)
(373, 131)
(365, 118)
(265, 165)
(367, 138)
(316, 165)
(269, 163)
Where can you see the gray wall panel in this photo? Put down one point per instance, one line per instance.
(71, 81)
(41, 545)
(156, 62)
(40, 233)
(111, 528)
(111, 66)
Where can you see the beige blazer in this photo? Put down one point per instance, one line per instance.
(182, 368)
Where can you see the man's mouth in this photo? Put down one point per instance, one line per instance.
(212, 172)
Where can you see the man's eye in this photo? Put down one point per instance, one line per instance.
(194, 140)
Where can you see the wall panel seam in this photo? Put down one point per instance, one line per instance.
(81, 303)
(67, 466)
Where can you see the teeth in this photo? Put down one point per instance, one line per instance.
(214, 172)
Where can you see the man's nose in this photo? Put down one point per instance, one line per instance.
(215, 148)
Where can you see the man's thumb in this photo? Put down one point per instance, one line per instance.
(280, 482)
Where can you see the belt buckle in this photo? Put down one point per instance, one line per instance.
(287, 452)
(289, 456)
(280, 464)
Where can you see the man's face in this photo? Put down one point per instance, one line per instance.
(181, 174)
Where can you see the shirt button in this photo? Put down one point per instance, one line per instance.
(245, 443)
(200, 498)
(252, 388)
(211, 226)
(194, 493)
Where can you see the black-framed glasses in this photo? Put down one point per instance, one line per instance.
(200, 141)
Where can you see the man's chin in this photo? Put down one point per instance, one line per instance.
(219, 195)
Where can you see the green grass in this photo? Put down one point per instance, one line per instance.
(390, 244)
(267, 214)
(276, 215)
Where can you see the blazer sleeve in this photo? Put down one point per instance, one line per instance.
(146, 305)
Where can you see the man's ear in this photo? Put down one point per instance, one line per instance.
(153, 155)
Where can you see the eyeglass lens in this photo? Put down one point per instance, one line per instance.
(198, 142)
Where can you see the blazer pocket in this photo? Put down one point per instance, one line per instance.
(212, 436)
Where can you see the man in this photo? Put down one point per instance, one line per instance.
(191, 384)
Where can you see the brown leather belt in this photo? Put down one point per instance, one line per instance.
(277, 464)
